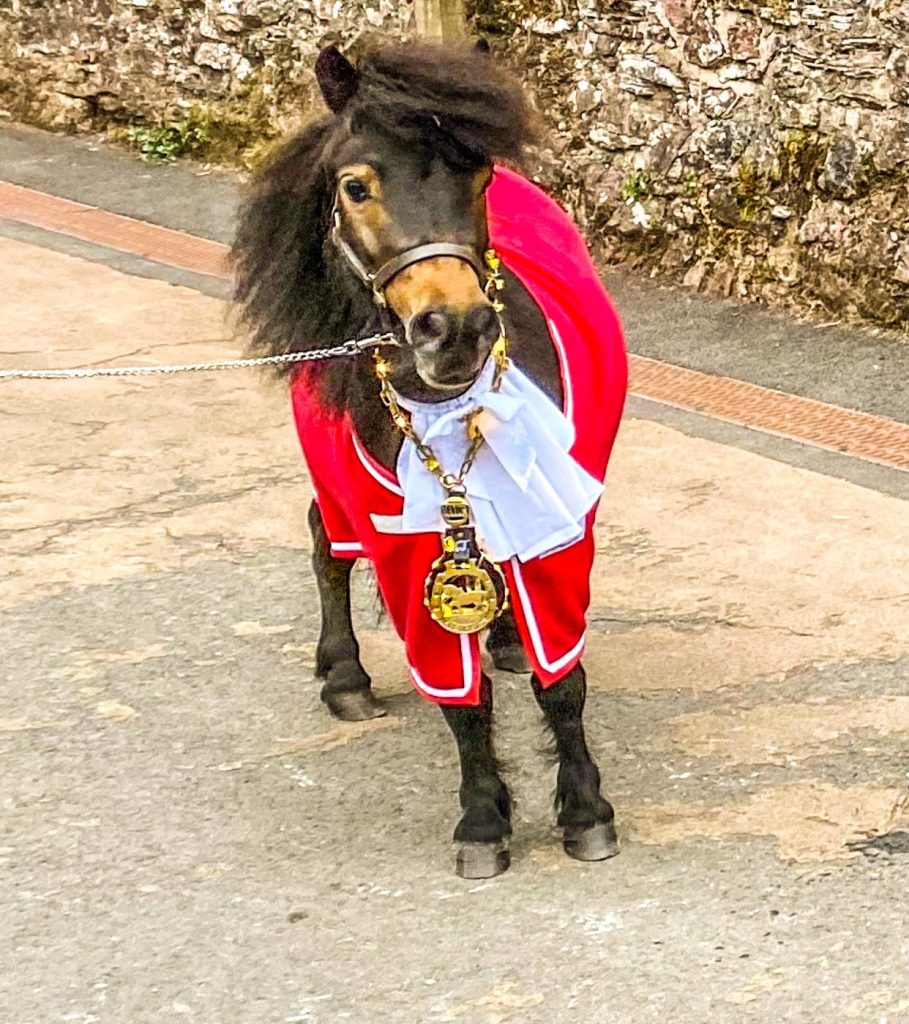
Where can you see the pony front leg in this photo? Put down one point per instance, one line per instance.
(348, 689)
(585, 817)
(505, 647)
(485, 826)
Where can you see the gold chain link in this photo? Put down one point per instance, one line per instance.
(450, 481)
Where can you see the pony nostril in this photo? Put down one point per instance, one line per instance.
(431, 325)
(483, 323)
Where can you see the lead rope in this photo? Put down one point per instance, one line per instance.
(348, 348)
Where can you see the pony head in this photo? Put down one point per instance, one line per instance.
(401, 163)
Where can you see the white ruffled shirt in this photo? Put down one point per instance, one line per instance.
(528, 495)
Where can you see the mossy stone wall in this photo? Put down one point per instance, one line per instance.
(748, 148)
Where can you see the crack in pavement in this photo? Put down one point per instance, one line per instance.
(684, 622)
(134, 512)
(162, 344)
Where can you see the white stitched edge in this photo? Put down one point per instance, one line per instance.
(392, 525)
(534, 629)
(466, 662)
(566, 376)
(367, 465)
(467, 675)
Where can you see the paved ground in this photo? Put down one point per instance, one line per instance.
(187, 836)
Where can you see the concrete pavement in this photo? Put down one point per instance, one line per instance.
(186, 835)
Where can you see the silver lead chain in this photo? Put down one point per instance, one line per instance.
(348, 348)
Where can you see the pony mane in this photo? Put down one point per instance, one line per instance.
(456, 100)
(293, 295)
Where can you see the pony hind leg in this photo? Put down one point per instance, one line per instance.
(505, 647)
(347, 690)
(584, 816)
(485, 826)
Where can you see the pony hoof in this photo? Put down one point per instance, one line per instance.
(353, 705)
(599, 842)
(510, 658)
(482, 860)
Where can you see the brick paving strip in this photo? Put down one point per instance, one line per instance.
(113, 230)
(873, 438)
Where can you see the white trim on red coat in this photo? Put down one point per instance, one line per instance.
(568, 398)
(371, 469)
(347, 546)
(534, 630)
(467, 675)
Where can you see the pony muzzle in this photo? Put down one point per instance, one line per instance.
(450, 324)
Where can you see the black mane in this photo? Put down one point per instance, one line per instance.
(457, 101)
(293, 295)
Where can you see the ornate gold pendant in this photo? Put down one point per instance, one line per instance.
(465, 597)
(464, 590)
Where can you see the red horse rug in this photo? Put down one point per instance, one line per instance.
(537, 480)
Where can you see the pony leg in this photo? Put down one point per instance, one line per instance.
(485, 826)
(586, 819)
(504, 645)
(347, 689)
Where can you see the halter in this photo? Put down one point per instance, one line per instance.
(378, 280)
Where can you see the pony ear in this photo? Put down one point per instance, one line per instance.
(337, 78)
(482, 46)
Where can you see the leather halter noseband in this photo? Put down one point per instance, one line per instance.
(377, 280)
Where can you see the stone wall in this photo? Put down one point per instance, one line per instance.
(747, 148)
(228, 71)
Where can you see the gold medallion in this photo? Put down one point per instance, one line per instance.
(465, 596)
(464, 590)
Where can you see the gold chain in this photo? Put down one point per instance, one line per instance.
(450, 481)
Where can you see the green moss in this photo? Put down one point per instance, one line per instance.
(637, 186)
(165, 141)
(750, 189)
(778, 8)
(647, 246)
(801, 157)
(867, 176)
(233, 131)
(692, 183)
(220, 134)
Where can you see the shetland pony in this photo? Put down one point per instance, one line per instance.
(375, 218)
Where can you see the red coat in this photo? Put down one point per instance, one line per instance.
(540, 245)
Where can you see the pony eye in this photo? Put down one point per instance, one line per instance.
(356, 191)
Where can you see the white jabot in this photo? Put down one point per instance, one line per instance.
(528, 495)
